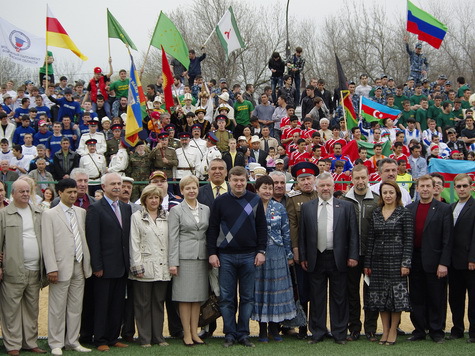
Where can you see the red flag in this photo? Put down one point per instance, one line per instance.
(167, 81)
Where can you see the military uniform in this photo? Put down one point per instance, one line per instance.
(417, 63)
(200, 145)
(95, 166)
(188, 162)
(295, 199)
(119, 162)
(223, 139)
(174, 143)
(112, 147)
(139, 170)
(156, 160)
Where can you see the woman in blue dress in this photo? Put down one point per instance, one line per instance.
(274, 298)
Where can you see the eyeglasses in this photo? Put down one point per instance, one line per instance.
(459, 186)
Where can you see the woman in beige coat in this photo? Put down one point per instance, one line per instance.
(149, 267)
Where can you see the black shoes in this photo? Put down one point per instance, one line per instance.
(247, 343)
(354, 336)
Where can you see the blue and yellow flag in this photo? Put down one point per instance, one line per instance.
(136, 100)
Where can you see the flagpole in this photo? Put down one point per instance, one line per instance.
(46, 57)
(211, 34)
(144, 61)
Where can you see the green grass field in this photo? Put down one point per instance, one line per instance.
(292, 346)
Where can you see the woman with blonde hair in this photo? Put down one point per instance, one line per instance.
(149, 267)
(188, 258)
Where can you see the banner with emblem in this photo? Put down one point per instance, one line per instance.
(20, 46)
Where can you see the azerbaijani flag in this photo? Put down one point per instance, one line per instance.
(167, 81)
(228, 33)
(449, 168)
(351, 149)
(57, 36)
(136, 99)
(425, 26)
(372, 111)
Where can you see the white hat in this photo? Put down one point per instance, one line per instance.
(255, 138)
(105, 119)
(242, 138)
(127, 179)
(260, 171)
(187, 97)
(158, 98)
(123, 116)
(224, 96)
(253, 166)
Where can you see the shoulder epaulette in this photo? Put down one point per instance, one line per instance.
(294, 193)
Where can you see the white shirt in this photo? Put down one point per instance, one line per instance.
(457, 211)
(31, 250)
(329, 220)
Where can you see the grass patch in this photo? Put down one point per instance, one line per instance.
(292, 346)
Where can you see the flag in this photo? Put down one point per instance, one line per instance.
(136, 101)
(228, 33)
(449, 168)
(425, 26)
(57, 36)
(166, 35)
(167, 81)
(20, 46)
(351, 149)
(115, 30)
(372, 111)
(346, 104)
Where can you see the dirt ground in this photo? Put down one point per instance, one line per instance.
(406, 324)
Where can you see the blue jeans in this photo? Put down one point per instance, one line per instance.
(236, 268)
(274, 82)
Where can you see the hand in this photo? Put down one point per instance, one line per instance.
(98, 274)
(53, 277)
(352, 263)
(1, 274)
(304, 265)
(441, 271)
(214, 261)
(110, 60)
(165, 160)
(471, 266)
(367, 271)
(295, 251)
(139, 275)
(1, 257)
(173, 270)
(290, 262)
(259, 260)
(404, 271)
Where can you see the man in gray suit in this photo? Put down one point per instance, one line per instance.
(328, 244)
(67, 263)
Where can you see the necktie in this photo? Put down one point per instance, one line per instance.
(218, 187)
(266, 145)
(115, 205)
(77, 238)
(322, 227)
(81, 202)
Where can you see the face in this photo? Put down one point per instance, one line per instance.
(217, 172)
(21, 193)
(360, 180)
(68, 196)
(337, 149)
(2, 193)
(152, 202)
(112, 186)
(325, 188)
(378, 151)
(91, 148)
(265, 192)
(306, 184)
(388, 172)
(190, 191)
(238, 184)
(41, 165)
(279, 185)
(388, 193)
(324, 125)
(82, 181)
(463, 189)
(363, 154)
(438, 185)
(255, 145)
(425, 188)
(122, 75)
(161, 183)
(126, 191)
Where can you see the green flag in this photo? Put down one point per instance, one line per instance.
(115, 30)
(167, 35)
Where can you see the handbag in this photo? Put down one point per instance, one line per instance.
(209, 311)
(300, 318)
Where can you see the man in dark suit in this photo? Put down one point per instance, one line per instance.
(462, 271)
(256, 153)
(217, 173)
(107, 233)
(430, 260)
(328, 244)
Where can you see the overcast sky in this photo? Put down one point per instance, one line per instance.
(85, 21)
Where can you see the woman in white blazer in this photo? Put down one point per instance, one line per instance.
(188, 258)
(149, 267)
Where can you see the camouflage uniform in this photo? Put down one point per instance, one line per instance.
(139, 170)
(112, 148)
(418, 63)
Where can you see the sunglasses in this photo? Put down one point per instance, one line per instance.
(459, 186)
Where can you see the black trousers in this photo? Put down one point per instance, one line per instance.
(87, 317)
(370, 317)
(428, 296)
(461, 282)
(109, 300)
(326, 273)
(128, 322)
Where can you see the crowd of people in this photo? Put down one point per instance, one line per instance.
(255, 190)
